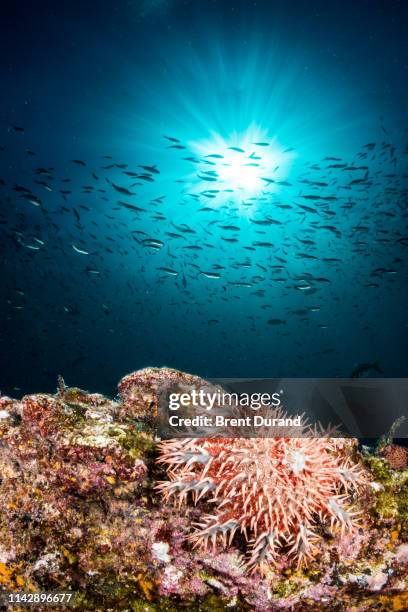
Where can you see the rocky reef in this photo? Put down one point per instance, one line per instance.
(80, 511)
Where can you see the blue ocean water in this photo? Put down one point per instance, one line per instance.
(219, 187)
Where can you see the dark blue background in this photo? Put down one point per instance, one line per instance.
(89, 79)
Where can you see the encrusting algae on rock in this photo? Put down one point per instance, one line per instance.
(79, 511)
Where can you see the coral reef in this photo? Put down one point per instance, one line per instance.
(139, 390)
(390, 505)
(397, 456)
(79, 511)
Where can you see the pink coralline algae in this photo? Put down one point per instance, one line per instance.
(277, 492)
